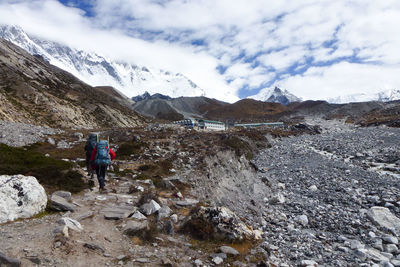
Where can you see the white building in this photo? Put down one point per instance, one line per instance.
(211, 125)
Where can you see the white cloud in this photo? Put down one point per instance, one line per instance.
(237, 35)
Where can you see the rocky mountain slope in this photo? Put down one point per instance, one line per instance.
(33, 91)
(385, 96)
(275, 95)
(97, 70)
(162, 107)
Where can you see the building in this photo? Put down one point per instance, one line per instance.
(211, 125)
(252, 125)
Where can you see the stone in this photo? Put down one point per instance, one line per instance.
(229, 250)
(386, 264)
(302, 219)
(390, 239)
(64, 194)
(63, 144)
(150, 208)
(313, 188)
(277, 199)
(391, 248)
(375, 255)
(395, 262)
(60, 204)
(71, 224)
(378, 244)
(62, 229)
(137, 215)
(94, 246)
(198, 263)
(142, 260)
(84, 216)
(382, 217)
(223, 222)
(136, 228)
(20, 197)
(306, 263)
(164, 212)
(187, 202)
(174, 218)
(8, 261)
(117, 213)
(51, 141)
(355, 244)
(217, 260)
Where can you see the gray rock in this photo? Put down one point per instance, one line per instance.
(198, 263)
(229, 250)
(64, 194)
(384, 218)
(137, 215)
(94, 246)
(136, 228)
(60, 204)
(84, 216)
(386, 264)
(164, 212)
(313, 188)
(187, 202)
(391, 248)
(4, 259)
(390, 239)
(71, 224)
(277, 199)
(150, 208)
(217, 260)
(51, 141)
(174, 218)
(395, 262)
(355, 244)
(306, 263)
(63, 144)
(378, 244)
(117, 213)
(142, 260)
(302, 219)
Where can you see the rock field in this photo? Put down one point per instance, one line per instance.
(324, 193)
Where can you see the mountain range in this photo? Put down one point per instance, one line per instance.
(385, 96)
(97, 70)
(36, 92)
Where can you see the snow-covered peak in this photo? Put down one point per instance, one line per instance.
(275, 95)
(387, 95)
(98, 70)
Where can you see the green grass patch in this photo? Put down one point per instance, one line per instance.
(53, 174)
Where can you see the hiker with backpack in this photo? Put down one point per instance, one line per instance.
(89, 146)
(101, 158)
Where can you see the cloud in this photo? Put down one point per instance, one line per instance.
(314, 48)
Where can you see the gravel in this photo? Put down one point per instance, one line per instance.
(333, 190)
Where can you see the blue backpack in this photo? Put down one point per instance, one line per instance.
(102, 157)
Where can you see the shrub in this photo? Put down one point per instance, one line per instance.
(51, 173)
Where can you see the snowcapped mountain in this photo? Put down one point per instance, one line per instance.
(97, 70)
(275, 95)
(385, 96)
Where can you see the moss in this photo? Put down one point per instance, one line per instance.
(52, 173)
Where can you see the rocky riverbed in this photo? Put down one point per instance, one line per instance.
(324, 191)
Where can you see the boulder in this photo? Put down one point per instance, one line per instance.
(218, 223)
(384, 218)
(60, 204)
(20, 197)
(136, 228)
(150, 208)
(138, 216)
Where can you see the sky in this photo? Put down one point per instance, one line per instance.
(316, 49)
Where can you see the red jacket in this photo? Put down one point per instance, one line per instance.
(112, 154)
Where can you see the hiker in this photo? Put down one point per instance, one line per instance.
(89, 146)
(101, 158)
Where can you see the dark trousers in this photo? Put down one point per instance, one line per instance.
(88, 163)
(101, 174)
